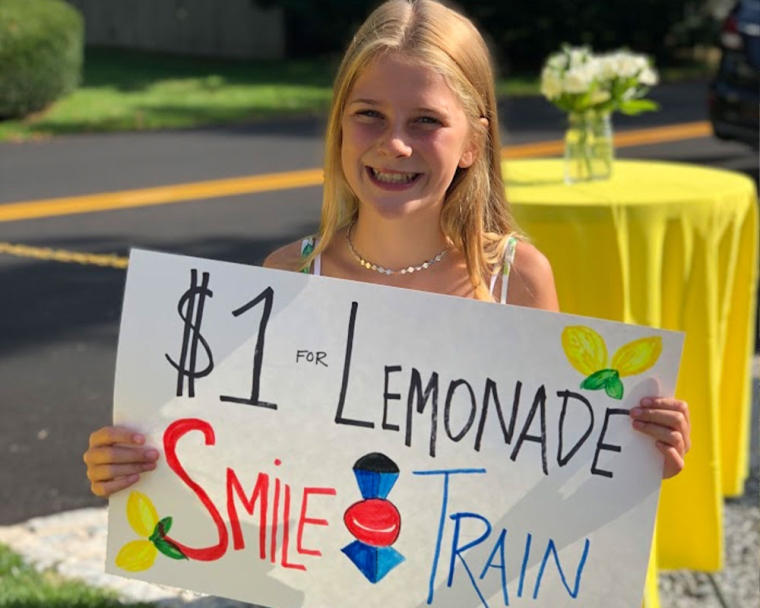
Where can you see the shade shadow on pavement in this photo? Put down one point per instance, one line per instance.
(59, 327)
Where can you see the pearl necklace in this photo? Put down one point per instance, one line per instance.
(380, 269)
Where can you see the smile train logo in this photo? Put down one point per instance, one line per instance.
(374, 522)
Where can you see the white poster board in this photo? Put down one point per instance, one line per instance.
(328, 443)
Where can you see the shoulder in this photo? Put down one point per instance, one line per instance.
(531, 280)
(285, 258)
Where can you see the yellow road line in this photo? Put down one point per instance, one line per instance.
(61, 255)
(626, 139)
(642, 137)
(110, 201)
(128, 199)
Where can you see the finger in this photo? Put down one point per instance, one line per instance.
(667, 403)
(680, 409)
(674, 462)
(104, 489)
(663, 434)
(110, 435)
(673, 419)
(108, 472)
(119, 455)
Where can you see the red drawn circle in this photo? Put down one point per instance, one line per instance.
(373, 521)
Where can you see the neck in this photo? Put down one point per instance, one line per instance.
(397, 243)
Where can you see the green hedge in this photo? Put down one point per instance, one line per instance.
(41, 54)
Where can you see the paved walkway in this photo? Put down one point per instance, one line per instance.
(74, 544)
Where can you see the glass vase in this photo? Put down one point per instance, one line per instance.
(589, 150)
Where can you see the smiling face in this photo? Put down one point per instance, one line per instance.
(404, 136)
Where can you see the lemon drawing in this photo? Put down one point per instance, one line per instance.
(142, 516)
(586, 351)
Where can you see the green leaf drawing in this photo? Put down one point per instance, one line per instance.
(162, 529)
(598, 379)
(614, 387)
(168, 548)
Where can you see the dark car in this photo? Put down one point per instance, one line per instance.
(734, 97)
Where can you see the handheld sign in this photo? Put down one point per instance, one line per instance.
(333, 443)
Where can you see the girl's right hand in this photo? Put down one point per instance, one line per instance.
(115, 459)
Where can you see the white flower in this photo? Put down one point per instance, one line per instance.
(551, 83)
(558, 61)
(582, 78)
(627, 66)
(623, 65)
(578, 56)
(608, 68)
(577, 80)
(641, 62)
(648, 77)
(595, 68)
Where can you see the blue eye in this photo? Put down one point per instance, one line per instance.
(429, 120)
(369, 113)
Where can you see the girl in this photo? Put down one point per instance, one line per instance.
(413, 198)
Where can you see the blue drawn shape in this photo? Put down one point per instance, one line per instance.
(373, 562)
(373, 484)
(376, 474)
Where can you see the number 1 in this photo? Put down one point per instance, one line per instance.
(267, 296)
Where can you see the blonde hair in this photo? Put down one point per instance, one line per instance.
(475, 216)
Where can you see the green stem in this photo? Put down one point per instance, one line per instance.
(585, 150)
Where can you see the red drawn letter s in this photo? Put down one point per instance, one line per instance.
(172, 435)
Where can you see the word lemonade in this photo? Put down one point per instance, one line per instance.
(537, 426)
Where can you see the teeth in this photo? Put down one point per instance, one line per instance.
(393, 178)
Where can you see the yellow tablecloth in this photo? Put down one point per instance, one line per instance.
(672, 246)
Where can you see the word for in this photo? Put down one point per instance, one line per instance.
(496, 559)
(317, 358)
(268, 494)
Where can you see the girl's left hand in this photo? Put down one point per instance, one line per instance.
(667, 420)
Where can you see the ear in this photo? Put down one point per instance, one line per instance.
(470, 153)
(467, 158)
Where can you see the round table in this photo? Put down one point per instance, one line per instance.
(672, 246)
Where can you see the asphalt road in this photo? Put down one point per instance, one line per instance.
(59, 321)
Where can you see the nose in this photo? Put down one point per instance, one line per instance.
(395, 143)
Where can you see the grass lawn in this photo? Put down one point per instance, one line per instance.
(131, 91)
(21, 586)
(128, 91)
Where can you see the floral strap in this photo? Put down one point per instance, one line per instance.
(307, 247)
(509, 258)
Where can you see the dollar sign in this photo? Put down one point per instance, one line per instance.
(190, 308)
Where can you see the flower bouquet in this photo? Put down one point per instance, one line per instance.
(590, 87)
